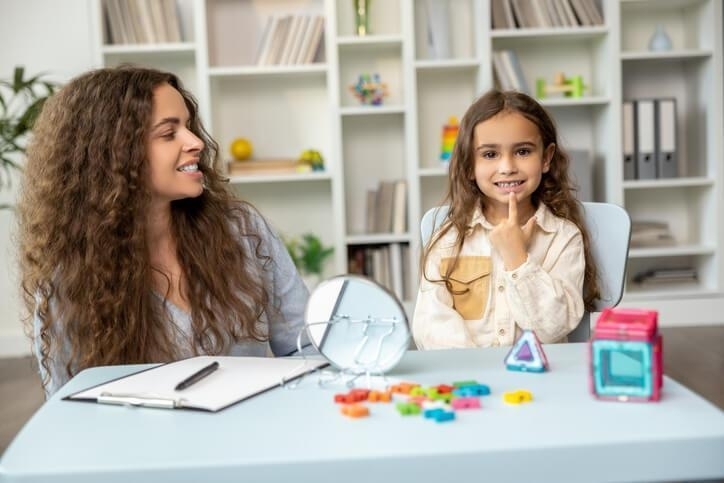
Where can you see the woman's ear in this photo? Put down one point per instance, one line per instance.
(548, 153)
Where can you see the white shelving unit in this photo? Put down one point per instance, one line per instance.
(286, 109)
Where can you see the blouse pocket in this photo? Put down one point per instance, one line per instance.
(470, 284)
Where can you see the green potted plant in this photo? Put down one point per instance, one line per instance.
(21, 100)
(309, 255)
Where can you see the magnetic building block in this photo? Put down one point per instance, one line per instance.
(626, 356)
(527, 354)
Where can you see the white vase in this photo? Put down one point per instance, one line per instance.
(660, 40)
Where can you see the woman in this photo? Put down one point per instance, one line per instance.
(132, 249)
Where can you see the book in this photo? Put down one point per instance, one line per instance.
(173, 27)
(438, 29)
(266, 40)
(650, 234)
(383, 206)
(235, 380)
(316, 41)
(399, 208)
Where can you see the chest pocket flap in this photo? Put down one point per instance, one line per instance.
(469, 283)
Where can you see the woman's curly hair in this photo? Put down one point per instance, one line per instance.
(556, 190)
(86, 274)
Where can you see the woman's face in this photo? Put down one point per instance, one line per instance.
(173, 150)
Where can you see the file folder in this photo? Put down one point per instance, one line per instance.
(667, 165)
(629, 140)
(645, 139)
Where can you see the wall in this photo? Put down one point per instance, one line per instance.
(44, 36)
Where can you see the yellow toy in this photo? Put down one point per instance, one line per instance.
(313, 159)
(241, 149)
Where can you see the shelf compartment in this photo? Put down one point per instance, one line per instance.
(373, 150)
(703, 265)
(689, 213)
(460, 29)
(385, 61)
(235, 28)
(544, 57)
(439, 96)
(280, 116)
(690, 84)
(686, 22)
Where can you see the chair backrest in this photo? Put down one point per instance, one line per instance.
(609, 227)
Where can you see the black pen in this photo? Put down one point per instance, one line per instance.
(197, 376)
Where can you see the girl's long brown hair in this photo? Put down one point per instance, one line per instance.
(84, 261)
(556, 189)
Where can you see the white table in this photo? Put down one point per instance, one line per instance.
(563, 435)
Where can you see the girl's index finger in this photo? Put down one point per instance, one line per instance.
(512, 207)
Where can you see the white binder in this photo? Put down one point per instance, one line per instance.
(629, 140)
(646, 139)
(667, 165)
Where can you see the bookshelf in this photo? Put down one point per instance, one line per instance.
(287, 108)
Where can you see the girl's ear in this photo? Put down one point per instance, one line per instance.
(548, 156)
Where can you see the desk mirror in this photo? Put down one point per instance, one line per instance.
(357, 325)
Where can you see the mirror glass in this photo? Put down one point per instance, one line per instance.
(357, 325)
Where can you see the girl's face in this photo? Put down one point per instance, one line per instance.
(509, 157)
(173, 150)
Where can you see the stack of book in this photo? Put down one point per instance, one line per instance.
(291, 40)
(666, 276)
(508, 72)
(387, 208)
(650, 234)
(511, 14)
(386, 264)
(141, 21)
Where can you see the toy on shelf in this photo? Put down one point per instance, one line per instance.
(569, 87)
(241, 149)
(527, 354)
(369, 89)
(313, 159)
(449, 134)
(626, 356)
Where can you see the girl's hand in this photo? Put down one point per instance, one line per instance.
(510, 239)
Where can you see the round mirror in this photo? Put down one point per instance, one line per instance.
(357, 325)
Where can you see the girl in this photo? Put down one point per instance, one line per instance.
(512, 253)
(132, 249)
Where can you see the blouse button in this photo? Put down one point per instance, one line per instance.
(515, 276)
(501, 332)
(501, 288)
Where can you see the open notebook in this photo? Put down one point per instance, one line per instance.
(236, 379)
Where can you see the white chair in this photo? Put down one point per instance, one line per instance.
(609, 227)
